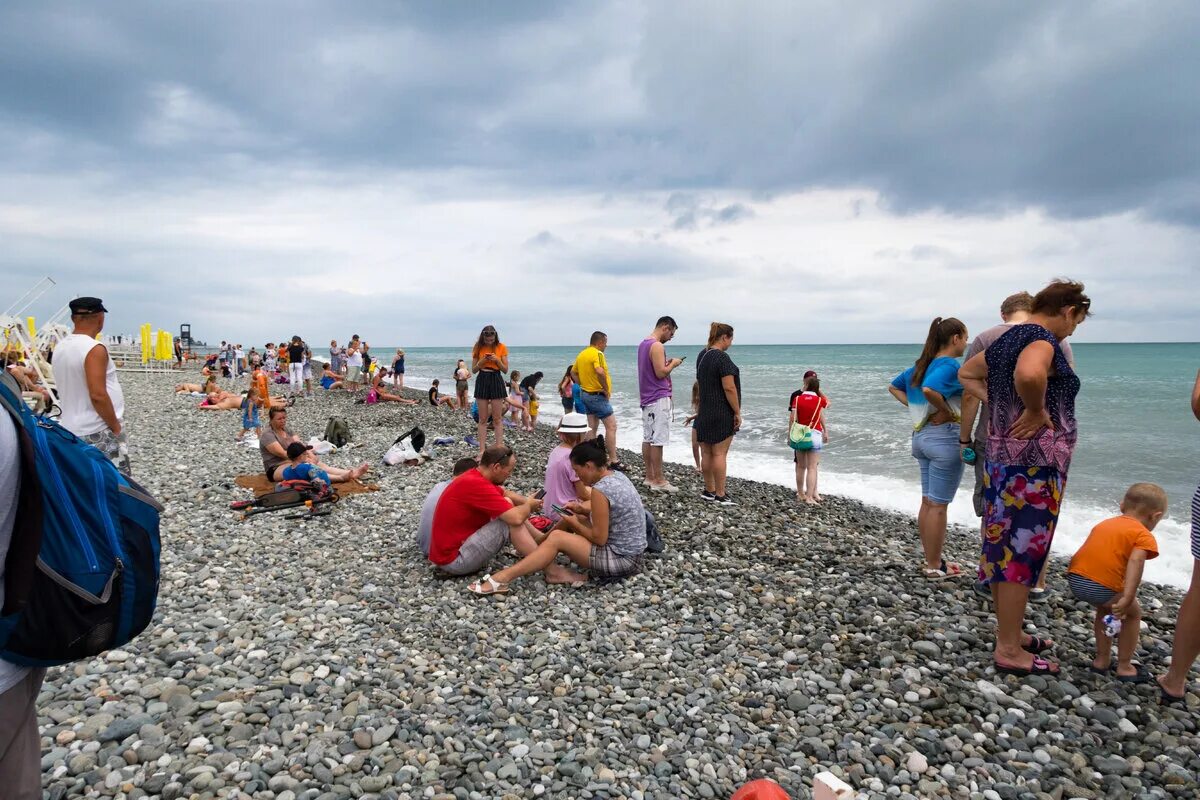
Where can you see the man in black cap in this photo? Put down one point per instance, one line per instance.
(93, 405)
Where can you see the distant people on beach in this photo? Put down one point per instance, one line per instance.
(515, 399)
(273, 447)
(528, 388)
(308, 369)
(931, 391)
(89, 394)
(1174, 683)
(595, 393)
(605, 534)
(330, 379)
(719, 414)
(354, 365)
(337, 356)
(250, 405)
(295, 352)
(270, 359)
(1015, 310)
(690, 419)
(807, 407)
(379, 395)
(436, 399)
(655, 396)
(566, 385)
(489, 363)
(1107, 570)
(1030, 389)
(398, 369)
(218, 399)
(462, 384)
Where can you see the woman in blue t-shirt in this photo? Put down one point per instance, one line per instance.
(931, 390)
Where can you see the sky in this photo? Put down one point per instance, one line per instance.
(810, 172)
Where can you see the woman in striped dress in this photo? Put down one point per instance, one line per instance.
(1187, 627)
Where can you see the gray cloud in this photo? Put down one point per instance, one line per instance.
(1080, 109)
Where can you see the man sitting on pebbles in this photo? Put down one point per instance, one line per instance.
(605, 535)
(425, 528)
(476, 516)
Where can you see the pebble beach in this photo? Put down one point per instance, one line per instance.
(324, 659)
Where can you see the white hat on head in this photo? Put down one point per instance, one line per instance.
(573, 422)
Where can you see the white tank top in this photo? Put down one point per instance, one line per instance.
(78, 414)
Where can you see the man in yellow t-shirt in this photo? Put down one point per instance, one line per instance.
(595, 384)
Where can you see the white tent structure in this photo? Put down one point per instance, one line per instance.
(16, 334)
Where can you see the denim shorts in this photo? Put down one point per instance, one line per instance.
(936, 449)
(596, 405)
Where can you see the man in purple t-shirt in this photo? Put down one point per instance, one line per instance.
(654, 390)
(1015, 310)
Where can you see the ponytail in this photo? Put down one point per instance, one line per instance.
(717, 330)
(941, 331)
(590, 452)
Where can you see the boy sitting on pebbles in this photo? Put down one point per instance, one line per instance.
(1107, 570)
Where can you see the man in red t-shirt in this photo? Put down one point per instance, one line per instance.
(476, 516)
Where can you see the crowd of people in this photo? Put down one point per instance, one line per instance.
(1002, 403)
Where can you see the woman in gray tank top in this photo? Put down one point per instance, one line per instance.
(606, 535)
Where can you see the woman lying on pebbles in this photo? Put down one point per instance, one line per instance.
(196, 388)
(605, 535)
(273, 446)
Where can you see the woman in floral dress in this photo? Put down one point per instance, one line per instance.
(1030, 389)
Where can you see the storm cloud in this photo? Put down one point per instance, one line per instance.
(142, 143)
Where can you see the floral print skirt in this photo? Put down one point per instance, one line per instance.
(1020, 513)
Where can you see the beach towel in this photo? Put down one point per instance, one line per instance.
(260, 485)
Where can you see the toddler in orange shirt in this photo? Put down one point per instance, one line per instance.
(1107, 570)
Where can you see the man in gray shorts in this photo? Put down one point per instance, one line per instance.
(1015, 310)
(476, 516)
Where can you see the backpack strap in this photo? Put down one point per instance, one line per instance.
(21, 561)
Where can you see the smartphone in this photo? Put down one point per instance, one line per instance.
(683, 358)
(563, 512)
(539, 494)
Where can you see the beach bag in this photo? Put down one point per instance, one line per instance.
(800, 437)
(82, 573)
(337, 431)
(654, 540)
(400, 453)
(415, 435)
(372, 397)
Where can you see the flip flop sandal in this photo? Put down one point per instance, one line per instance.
(944, 572)
(1141, 676)
(1040, 666)
(488, 586)
(1037, 645)
(1098, 670)
(1165, 698)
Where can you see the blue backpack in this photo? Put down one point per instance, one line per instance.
(81, 573)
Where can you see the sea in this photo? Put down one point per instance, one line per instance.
(1135, 424)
